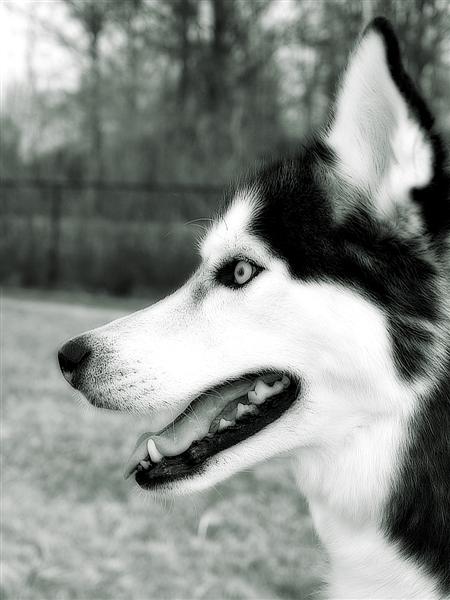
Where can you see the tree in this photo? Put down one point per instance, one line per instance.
(93, 17)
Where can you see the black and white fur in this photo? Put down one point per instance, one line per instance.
(351, 239)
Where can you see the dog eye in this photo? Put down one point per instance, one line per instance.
(237, 273)
(243, 272)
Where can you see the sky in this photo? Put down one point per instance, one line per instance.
(12, 48)
(27, 43)
(26, 40)
(34, 62)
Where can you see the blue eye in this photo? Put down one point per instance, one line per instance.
(243, 272)
(237, 273)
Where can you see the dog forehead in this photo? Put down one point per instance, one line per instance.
(231, 229)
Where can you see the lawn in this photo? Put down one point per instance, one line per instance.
(73, 528)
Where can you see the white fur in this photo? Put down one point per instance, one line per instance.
(363, 564)
(226, 232)
(381, 147)
(347, 426)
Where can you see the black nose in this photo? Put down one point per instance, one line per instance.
(72, 355)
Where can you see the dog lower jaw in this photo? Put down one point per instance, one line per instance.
(171, 472)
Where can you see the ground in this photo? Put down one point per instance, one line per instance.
(73, 528)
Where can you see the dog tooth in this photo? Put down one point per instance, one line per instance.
(244, 409)
(139, 454)
(145, 464)
(262, 387)
(224, 424)
(257, 397)
(263, 391)
(240, 411)
(153, 451)
(285, 381)
(253, 397)
(277, 387)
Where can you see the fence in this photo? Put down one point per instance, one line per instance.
(119, 237)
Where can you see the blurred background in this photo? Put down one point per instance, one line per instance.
(121, 122)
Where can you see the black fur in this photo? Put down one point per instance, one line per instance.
(433, 200)
(397, 271)
(417, 515)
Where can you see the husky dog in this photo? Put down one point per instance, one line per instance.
(316, 325)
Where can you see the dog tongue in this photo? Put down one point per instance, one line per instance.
(192, 425)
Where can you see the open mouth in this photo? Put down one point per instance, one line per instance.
(218, 419)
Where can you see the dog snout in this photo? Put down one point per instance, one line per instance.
(72, 355)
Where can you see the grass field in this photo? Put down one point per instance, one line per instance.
(73, 528)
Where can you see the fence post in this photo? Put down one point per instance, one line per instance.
(55, 235)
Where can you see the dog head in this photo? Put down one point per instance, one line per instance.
(316, 306)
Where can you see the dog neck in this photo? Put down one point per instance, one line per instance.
(349, 482)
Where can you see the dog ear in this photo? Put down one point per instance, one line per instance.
(381, 130)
